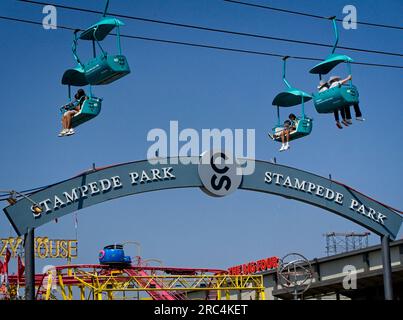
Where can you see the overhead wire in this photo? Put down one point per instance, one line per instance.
(30, 191)
(366, 23)
(207, 46)
(216, 30)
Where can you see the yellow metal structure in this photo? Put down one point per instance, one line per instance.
(120, 284)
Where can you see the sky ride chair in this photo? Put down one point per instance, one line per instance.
(90, 108)
(102, 69)
(338, 97)
(289, 98)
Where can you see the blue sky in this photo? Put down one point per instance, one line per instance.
(200, 88)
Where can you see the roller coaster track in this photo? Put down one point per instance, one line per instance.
(99, 282)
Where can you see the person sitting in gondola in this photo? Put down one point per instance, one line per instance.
(335, 81)
(289, 125)
(71, 109)
(323, 86)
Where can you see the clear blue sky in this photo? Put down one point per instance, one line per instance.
(200, 88)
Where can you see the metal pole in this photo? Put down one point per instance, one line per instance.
(106, 8)
(336, 32)
(94, 51)
(118, 39)
(284, 68)
(29, 247)
(387, 268)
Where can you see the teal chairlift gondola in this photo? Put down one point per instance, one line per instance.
(90, 108)
(103, 68)
(338, 97)
(289, 98)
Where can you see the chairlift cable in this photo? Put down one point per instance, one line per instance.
(231, 32)
(192, 44)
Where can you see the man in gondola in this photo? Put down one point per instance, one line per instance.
(335, 81)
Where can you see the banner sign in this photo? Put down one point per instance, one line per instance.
(44, 247)
(254, 266)
(132, 178)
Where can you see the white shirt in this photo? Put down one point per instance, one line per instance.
(324, 88)
(335, 84)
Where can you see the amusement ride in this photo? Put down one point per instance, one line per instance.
(332, 100)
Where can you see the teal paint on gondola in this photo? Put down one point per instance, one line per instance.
(333, 59)
(118, 40)
(335, 98)
(339, 97)
(89, 110)
(75, 77)
(336, 33)
(303, 129)
(289, 98)
(101, 69)
(74, 50)
(98, 41)
(102, 29)
(105, 69)
(329, 63)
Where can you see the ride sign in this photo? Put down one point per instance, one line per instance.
(44, 247)
(215, 174)
(254, 266)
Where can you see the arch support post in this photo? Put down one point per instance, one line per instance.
(29, 248)
(387, 268)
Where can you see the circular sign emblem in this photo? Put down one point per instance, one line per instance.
(218, 173)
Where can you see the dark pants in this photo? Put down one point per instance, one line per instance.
(357, 111)
(346, 114)
(336, 114)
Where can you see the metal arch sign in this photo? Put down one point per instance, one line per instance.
(101, 185)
